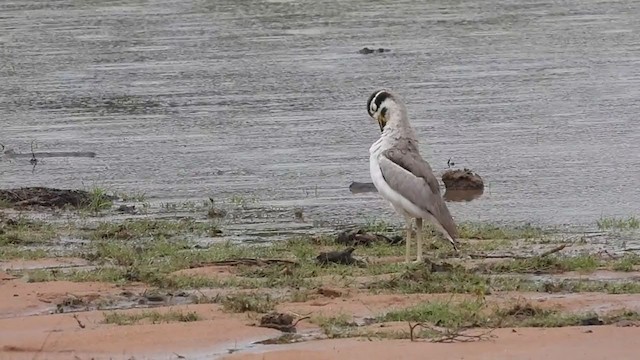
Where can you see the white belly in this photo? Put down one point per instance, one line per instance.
(401, 204)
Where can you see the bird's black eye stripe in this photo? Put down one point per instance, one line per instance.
(369, 102)
(380, 98)
(383, 111)
(376, 98)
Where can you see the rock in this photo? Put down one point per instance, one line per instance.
(438, 267)
(278, 321)
(127, 209)
(360, 237)
(591, 320)
(215, 213)
(337, 257)
(331, 293)
(462, 195)
(462, 180)
(359, 187)
(626, 323)
(365, 50)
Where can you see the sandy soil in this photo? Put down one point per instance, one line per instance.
(30, 328)
(599, 343)
(59, 320)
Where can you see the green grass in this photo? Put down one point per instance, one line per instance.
(626, 263)
(243, 302)
(98, 200)
(548, 264)
(154, 317)
(335, 327)
(445, 314)
(14, 252)
(419, 279)
(473, 314)
(22, 231)
(153, 228)
(379, 226)
(629, 223)
(133, 197)
(578, 286)
(5, 204)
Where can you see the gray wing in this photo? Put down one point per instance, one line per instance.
(407, 173)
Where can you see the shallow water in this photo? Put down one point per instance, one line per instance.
(266, 99)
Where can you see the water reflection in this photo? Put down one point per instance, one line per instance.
(462, 195)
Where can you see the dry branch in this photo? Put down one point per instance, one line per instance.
(449, 335)
(519, 257)
(247, 262)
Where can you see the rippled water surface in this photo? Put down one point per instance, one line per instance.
(266, 99)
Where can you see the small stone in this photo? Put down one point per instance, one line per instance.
(330, 292)
(462, 180)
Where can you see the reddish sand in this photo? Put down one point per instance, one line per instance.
(30, 330)
(592, 343)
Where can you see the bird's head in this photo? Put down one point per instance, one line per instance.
(382, 104)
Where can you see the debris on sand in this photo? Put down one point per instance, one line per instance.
(357, 237)
(46, 197)
(462, 180)
(330, 293)
(338, 257)
(279, 321)
(438, 266)
(365, 50)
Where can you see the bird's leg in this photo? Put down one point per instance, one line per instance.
(419, 238)
(408, 240)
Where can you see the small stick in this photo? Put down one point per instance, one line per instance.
(82, 326)
(302, 318)
(553, 251)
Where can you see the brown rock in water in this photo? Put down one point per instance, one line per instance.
(462, 180)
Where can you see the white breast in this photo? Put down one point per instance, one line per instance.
(400, 204)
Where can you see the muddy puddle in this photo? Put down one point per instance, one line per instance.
(265, 99)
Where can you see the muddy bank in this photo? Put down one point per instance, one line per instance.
(42, 197)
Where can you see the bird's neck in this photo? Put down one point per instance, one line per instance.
(398, 126)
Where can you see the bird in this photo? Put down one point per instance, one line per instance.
(401, 175)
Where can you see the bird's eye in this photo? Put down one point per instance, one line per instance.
(383, 111)
(374, 107)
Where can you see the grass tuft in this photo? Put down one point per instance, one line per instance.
(253, 302)
(153, 317)
(629, 223)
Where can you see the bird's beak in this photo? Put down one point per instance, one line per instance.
(382, 122)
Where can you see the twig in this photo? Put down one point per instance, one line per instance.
(553, 251)
(412, 327)
(247, 261)
(498, 256)
(82, 326)
(302, 318)
(449, 335)
(631, 249)
(519, 257)
(33, 160)
(179, 356)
